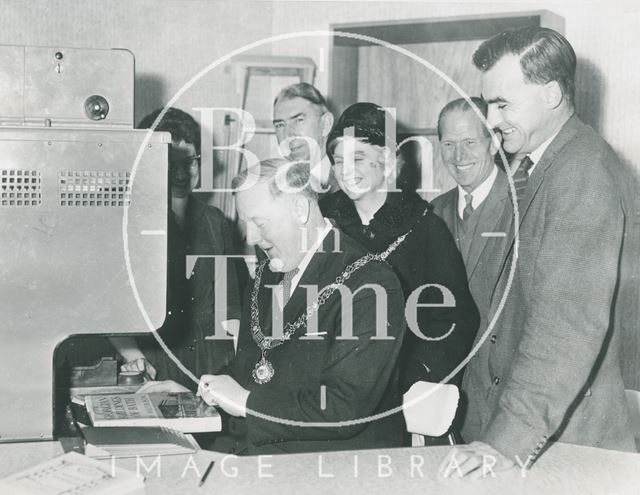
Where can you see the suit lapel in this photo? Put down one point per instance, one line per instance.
(491, 218)
(265, 299)
(315, 274)
(566, 134)
(451, 212)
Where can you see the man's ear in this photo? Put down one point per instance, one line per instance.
(195, 180)
(552, 94)
(327, 123)
(300, 208)
(496, 141)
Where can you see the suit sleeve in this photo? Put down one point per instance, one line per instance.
(567, 312)
(356, 373)
(450, 330)
(233, 309)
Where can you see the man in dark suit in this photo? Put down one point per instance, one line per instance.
(325, 374)
(473, 209)
(194, 228)
(552, 370)
(302, 121)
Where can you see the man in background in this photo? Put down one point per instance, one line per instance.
(302, 122)
(194, 228)
(476, 205)
(473, 209)
(552, 370)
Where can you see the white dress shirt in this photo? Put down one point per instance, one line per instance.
(479, 194)
(302, 266)
(536, 154)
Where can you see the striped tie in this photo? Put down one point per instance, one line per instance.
(468, 209)
(521, 176)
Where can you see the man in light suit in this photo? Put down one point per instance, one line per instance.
(552, 368)
(348, 355)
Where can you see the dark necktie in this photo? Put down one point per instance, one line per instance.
(468, 209)
(521, 176)
(286, 285)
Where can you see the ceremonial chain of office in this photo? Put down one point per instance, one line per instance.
(263, 370)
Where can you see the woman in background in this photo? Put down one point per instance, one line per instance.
(368, 210)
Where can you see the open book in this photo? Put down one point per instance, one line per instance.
(72, 473)
(181, 411)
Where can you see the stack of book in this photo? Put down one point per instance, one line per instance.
(181, 411)
(134, 441)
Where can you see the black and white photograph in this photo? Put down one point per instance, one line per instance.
(319, 246)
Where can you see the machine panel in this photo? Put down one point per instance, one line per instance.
(75, 214)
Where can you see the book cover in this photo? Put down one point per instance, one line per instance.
(132, 441)
(72, 473)
(181, 411)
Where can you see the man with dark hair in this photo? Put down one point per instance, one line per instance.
(552, 368)
(181, 125)
(302, 122)
(194, 228)
(311, 348)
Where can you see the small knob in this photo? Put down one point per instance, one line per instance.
(96, 107)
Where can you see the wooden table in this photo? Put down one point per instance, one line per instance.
(564, 469)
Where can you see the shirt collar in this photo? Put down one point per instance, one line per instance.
(302, 266)
(536, 154)
(479, 194)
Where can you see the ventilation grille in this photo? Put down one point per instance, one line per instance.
(94, 188)
(20, 188)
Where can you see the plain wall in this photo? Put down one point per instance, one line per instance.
(603, 34)
(171, 41)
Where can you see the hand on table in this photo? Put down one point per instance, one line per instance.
(476, 460)
(224, 391)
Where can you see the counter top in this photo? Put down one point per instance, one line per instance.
(564, 468)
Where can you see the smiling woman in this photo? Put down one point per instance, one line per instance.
(372, 211)
(363, 175)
